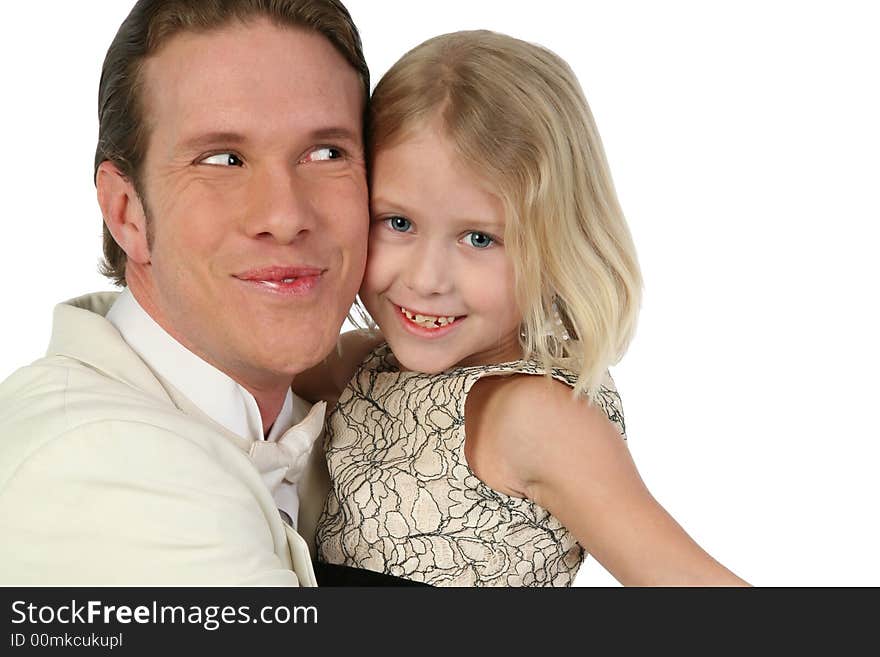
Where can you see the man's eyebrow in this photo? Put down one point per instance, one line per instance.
(212, 139)
(335, 133)
(225, 138)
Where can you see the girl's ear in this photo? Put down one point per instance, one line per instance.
(123, 212)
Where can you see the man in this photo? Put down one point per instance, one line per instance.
(158, 442)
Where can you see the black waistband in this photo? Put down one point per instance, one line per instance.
(334, 575)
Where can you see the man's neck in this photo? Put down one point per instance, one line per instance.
(268, 392)
(270, 406)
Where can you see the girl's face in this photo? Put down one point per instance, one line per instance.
(438, 281)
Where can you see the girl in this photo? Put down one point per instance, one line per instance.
(483, 443)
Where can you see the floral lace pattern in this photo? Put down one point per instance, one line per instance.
(403, 500)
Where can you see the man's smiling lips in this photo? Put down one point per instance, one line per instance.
(283, 280)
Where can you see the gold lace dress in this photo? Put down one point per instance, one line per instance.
(403, 501)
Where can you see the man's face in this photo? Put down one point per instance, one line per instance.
(255, 186)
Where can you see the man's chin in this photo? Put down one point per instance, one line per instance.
(295, 356)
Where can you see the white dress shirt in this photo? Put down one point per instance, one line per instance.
(213, 392)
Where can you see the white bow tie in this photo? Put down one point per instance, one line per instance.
(286, 458)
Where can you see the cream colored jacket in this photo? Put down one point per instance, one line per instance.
(110, 476)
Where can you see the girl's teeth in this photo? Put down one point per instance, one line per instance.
(426, 320)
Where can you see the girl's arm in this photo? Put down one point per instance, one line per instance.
(326, 380)
(532, 439)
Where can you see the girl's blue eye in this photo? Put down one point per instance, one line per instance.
(400, 224)
(479, 240)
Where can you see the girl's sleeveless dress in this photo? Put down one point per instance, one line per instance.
(403, 501)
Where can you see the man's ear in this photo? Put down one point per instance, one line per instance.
(123, 212)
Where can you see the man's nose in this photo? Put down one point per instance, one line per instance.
(428, 270)
(281, 207)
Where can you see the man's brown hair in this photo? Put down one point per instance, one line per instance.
(123, 133)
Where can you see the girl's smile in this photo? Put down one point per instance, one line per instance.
(429, 327)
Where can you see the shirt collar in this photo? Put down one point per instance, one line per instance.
(216, 394)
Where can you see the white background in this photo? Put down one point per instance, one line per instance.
(743, 139)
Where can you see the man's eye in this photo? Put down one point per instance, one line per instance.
(223, 160)
(400, 224)
(324, 153)
(479, 240)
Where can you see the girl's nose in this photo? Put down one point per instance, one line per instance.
(428, 272)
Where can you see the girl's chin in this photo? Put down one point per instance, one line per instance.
(419, 363)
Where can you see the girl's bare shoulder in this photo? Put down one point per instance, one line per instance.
(528, 424)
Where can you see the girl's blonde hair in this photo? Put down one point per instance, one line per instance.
(517, 117)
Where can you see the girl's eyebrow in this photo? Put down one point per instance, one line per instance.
(463, 222)
(480, 224)
(457, 223)
(385, 203)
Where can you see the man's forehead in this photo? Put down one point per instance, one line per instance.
(257, 72)
(256, 50)
(232, 31)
